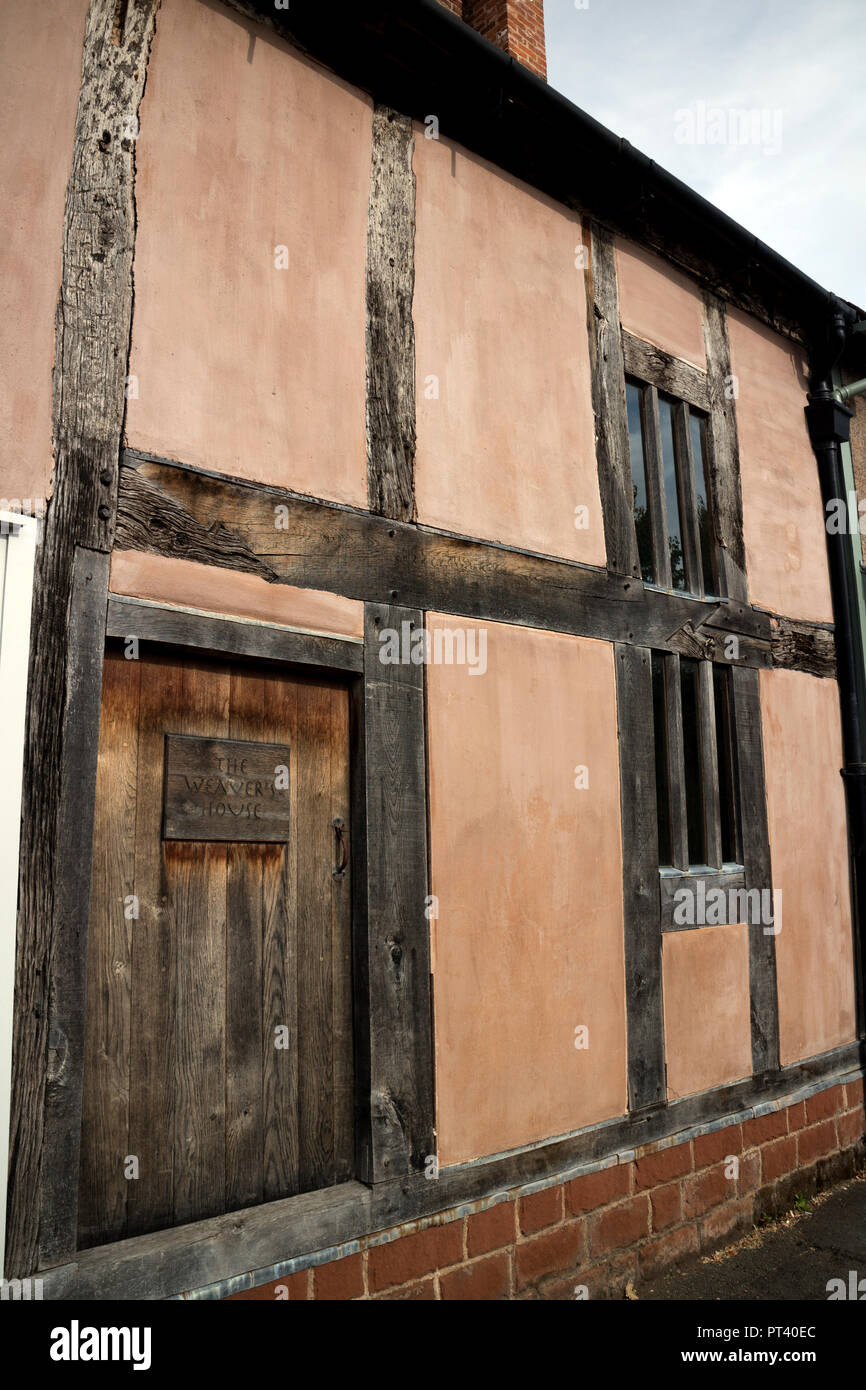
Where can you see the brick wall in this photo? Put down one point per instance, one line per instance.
(643, 1212)
(517, 26)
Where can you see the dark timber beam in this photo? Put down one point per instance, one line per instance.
(397, 963)
(648, 363)
(153, 622)
(90, 364)
(764, 1003)
(673, 716)
(655, 486)
(168, 509)
(390, 330)
(609, 407)
(799, 646)
(640, 877)
(724, 456)
(58, 1233)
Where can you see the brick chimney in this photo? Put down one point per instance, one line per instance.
(517, 26)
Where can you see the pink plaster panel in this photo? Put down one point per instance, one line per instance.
(705, 976)
(809, 850)
(232, 594)
(506, 449)
(40, 75)
(659, 304)
(783, 516)
(243, 367)
(527, 874)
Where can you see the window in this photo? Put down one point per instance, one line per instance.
(673, 519)
(695, 762)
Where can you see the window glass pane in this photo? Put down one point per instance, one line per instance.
(727, 773)
(706, 542)
(675, 538)
(663, 805)
(638, 480)
(692, 759)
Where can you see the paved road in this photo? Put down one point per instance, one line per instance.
(793, 1261)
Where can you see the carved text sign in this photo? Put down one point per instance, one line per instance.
(225, 789)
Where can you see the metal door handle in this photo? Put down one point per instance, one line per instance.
(342, 848)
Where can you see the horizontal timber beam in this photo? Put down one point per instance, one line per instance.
(800, 646)
(152, 622)
(671, 374)
(170, 509)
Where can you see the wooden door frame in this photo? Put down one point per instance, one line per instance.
(391, 994)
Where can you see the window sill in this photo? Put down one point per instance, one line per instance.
(688, 892)
(696, 871)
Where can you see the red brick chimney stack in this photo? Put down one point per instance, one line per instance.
(517, 26)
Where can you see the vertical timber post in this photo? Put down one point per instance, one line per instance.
(92, 336)
(390, 330)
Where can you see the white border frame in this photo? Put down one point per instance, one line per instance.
(17, 562)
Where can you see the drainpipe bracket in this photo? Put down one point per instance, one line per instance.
(828, 420)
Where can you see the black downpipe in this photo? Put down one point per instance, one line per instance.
(829, 427)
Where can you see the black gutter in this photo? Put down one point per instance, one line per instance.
(421, 59)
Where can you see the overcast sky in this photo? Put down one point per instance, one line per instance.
(666, 74)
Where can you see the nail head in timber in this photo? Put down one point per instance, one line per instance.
(221, 789)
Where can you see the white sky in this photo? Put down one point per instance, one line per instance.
(634, 65)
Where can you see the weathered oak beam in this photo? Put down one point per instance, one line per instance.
(90, 364)
(724, 458)
(58, 1233)
(609, 405)
(390, 329)
(671, 374)
(153, 622)
(169, 509)
(799, 646)
(764, 1002)
(399, 1031)
(640, 871)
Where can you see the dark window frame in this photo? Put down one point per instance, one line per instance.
(692, 761)
(696, 782)
(701, 563)
(649, 894)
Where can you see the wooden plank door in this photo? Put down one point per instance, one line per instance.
(218, 1048)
